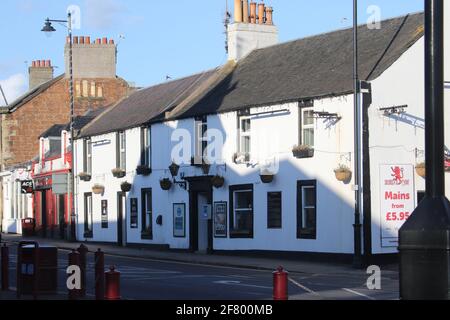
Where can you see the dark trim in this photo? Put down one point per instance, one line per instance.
(233, 234)
(88, 233)
(281, 210)
(121, 202)
(300, 184)
(117, 149)
(144, 233)
(367, 197)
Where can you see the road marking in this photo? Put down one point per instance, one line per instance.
(358, 294)
(238, 283)
(303, 287)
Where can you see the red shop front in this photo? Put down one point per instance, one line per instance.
(51, 211)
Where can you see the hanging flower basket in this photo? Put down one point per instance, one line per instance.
(118, 173)
(165, 184)
(266, 176)
(447, 165)
(205, 167)
(217, 181)
(343, 174)
(420, 169)
(85, 176)
(174, 168)
(125, 186)
(303, 151)
(143, 171)
(98, 189)
(240, 158)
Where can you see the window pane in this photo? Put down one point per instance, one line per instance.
(309, 197)
(243, 200)
(309, 218)
(245, 125)
(245, 144)
(274, 210)
(243, 220)
(308, 137)
(308, 117)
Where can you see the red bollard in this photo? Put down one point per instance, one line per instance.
(5, 267)
(112, 284)
(280, 284)
(99, 275)
(83, 251)
(74, 260)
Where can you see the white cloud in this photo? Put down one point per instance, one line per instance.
(14, 87)
(102, 14)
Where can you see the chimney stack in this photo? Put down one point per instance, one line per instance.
(250, 31)
(40, 72)
(92, 60)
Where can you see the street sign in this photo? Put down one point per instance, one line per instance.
(26, 186)
(60, 183)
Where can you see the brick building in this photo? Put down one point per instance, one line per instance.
(47, 102)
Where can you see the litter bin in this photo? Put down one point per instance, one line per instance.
(37, 269)
(28, 227)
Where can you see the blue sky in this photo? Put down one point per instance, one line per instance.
(161, 37)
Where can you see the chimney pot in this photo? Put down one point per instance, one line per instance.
(269, 15)
(48, 64)
(75, 40)
(33, 64)
(68, 40)
(42, 64)
(87, 40)
(252, 12)
(245, 11)
(237, 11)
(81, 40)
(111, 41)
(98, 41)
(261, 9)
(105, 41)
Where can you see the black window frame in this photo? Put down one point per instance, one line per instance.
(146, 150)
(88, 233)
(301, 234)
(146, 234)
(269, 220)
(235, 234)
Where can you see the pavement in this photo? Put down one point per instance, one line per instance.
(258, 263)
(167, 275)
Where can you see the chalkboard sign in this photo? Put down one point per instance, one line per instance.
(133, 213)
(220, 220)
(179, 220)
(104, 214)
(274, 210)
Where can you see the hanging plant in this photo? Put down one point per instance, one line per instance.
(98, 189)
(421, 170)
(125, 186)
(174, 168)
(84, 176)
(143, 171)
(118, 173)
(165, 184)
(205, 167)
(217, 181)
(303, 151)
(266, 176)
(343, 173)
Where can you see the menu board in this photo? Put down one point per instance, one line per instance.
(104, 214)
(220, 219)
(133, 213)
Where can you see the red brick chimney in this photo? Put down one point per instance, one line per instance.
(40, 72)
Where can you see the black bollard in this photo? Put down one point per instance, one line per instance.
(5, 267)
(83, 251)
(99, 275)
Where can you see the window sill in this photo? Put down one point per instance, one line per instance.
(240, 235)
(88, 234)
(146, 236)
(306, 237)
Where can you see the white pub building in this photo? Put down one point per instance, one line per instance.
(257, 154)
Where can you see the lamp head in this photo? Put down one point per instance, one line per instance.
(48, 28)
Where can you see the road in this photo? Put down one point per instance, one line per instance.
(143, 279)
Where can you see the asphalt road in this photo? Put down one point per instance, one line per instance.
(143, 279)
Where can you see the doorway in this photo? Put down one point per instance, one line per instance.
(44, 214)
(61, 215)
(200, 226)
(121, 219)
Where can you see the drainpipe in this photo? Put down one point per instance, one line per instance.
(357, 260)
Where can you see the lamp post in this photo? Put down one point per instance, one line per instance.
(48, 28)
(424, 239)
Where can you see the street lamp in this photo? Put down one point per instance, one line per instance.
(48, 29)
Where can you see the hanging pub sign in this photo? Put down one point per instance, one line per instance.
(220, 220)
(104, 214)
(179, 220)
(26, 186)
(133, 213)
(397, 200)
(43, 183)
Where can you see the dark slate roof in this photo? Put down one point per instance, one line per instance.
(312, 67)
(308, 68)
(145, 105)
(79, 123)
